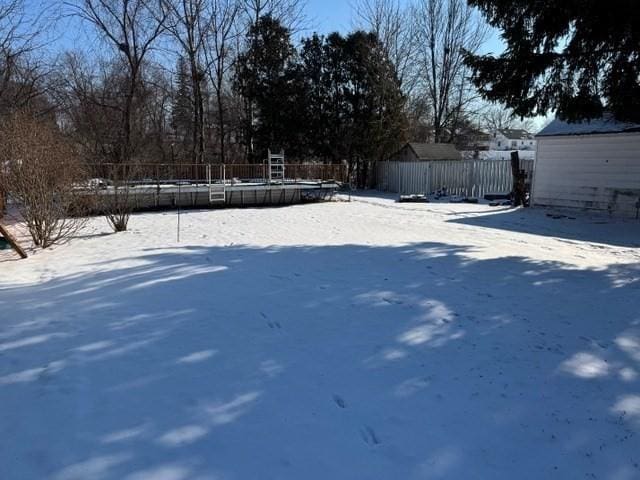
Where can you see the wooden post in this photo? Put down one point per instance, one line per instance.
(12, 241)
(2, 201)
(518, 193)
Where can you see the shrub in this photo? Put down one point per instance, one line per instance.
(44, 176)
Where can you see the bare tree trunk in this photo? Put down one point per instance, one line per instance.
(221, 121)
(223, 29)
(444, 30)
(131, 27)
(189, 26)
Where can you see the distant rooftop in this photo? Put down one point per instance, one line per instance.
(435, 151)
(606, 124)
(516, 134)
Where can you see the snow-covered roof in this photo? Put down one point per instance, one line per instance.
(606, 124)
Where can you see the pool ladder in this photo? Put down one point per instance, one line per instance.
(217, 191)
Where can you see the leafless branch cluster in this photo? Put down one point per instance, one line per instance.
(23, 70)
(45, 176)
(130, 27)
(291, 13)
(426, 40)
(494, 118)
(118, 204)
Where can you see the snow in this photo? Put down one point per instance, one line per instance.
(361, 340)
(606, 124)
(497, 154)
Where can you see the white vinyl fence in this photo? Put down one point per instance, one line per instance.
(471, 178)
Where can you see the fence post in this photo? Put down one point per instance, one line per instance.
(157, 174)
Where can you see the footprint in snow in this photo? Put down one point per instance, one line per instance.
(339, 401)
(275, 325)
(369, 436)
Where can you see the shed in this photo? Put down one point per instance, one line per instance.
(425, 152)
(591, 165)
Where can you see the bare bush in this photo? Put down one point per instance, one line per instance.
(117, 204)
(44, 176)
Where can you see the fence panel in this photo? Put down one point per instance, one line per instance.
(157, 173)
(471, 178)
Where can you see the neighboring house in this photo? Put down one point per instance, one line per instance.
(423, 152)
(588, 165)
(499, 145)
(483, 141)
(474, 140)
(512, 139)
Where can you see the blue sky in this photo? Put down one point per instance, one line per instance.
(324, 16)
(331, 15)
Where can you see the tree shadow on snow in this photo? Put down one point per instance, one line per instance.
(336, 362)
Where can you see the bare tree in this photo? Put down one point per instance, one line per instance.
(445, 29)
(497, 117)
(89, 106)
(219, 54)
(43, 176)
(391, 21)
(157, 112)
(131, 27)
(22, 70)
(188, 26)
(290, 13)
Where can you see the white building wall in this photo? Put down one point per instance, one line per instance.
(599, 172)
(500, 142)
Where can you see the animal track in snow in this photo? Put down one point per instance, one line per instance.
(339, 401)
(369, 436)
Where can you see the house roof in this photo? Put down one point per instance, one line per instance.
(516, 134)
(606, 124)
(435, 151)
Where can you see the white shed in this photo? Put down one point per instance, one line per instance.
(589, 165)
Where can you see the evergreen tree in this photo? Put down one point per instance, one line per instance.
(182, 109)
(265, 79)
(579, 57)
(353, 102)
(338, 100)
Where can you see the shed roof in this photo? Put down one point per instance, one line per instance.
(435, 151)
(606, 124)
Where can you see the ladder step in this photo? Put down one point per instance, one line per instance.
(217, 193)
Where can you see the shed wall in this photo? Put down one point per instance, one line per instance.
(598, 172)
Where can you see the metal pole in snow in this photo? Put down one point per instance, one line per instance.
(179, 191)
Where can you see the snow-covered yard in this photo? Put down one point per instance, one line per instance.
(362, 340)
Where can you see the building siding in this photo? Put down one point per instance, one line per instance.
(599, 172)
